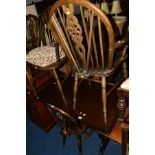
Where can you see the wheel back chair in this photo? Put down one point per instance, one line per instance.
(89, 45)
(44, 54)
(70, 124)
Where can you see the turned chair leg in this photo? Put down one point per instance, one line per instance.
(125, 140)
(79, 144)
(103, 145)
(75, 91)
(30, 78)
(104, 98)
(59, 86)
(64, 140)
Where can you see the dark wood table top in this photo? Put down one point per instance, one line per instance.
(88, 102)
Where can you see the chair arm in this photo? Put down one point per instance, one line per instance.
(120, 44)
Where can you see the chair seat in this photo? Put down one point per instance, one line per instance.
(118, 59)
(125, 84)
(44, 56)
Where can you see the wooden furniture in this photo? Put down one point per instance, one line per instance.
(32, 32)
(43, 58)
(36, 79)
(89, 104)
(39, 114)
(120, 132)
(90, 46)
(70, 125)
(39, 35)
(123, 118)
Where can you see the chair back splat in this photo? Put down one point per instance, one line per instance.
(88, 41)
(79, 34)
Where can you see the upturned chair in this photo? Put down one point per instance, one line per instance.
(70, 124)
(90, 45)
(42, 55)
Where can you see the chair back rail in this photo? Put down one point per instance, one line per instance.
(45, 32)
(32, 32)
(38, 32)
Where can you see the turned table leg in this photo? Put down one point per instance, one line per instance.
(121, 109)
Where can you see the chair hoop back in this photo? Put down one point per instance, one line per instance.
(32, 26)
(85, 33)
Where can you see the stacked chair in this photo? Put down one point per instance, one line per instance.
(44, 55)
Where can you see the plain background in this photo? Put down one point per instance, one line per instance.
(13, 77)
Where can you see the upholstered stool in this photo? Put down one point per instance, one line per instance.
(125, 84)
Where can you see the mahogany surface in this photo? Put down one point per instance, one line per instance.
(39, 114)
(89, 102)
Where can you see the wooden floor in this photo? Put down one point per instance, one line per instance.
(116, 134)
(88, 102)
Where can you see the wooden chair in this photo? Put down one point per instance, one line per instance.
(46, 34)
(89, 45)
(70, 124)
(33, 40)
(41, 58)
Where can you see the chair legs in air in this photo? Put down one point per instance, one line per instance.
(75, 91)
